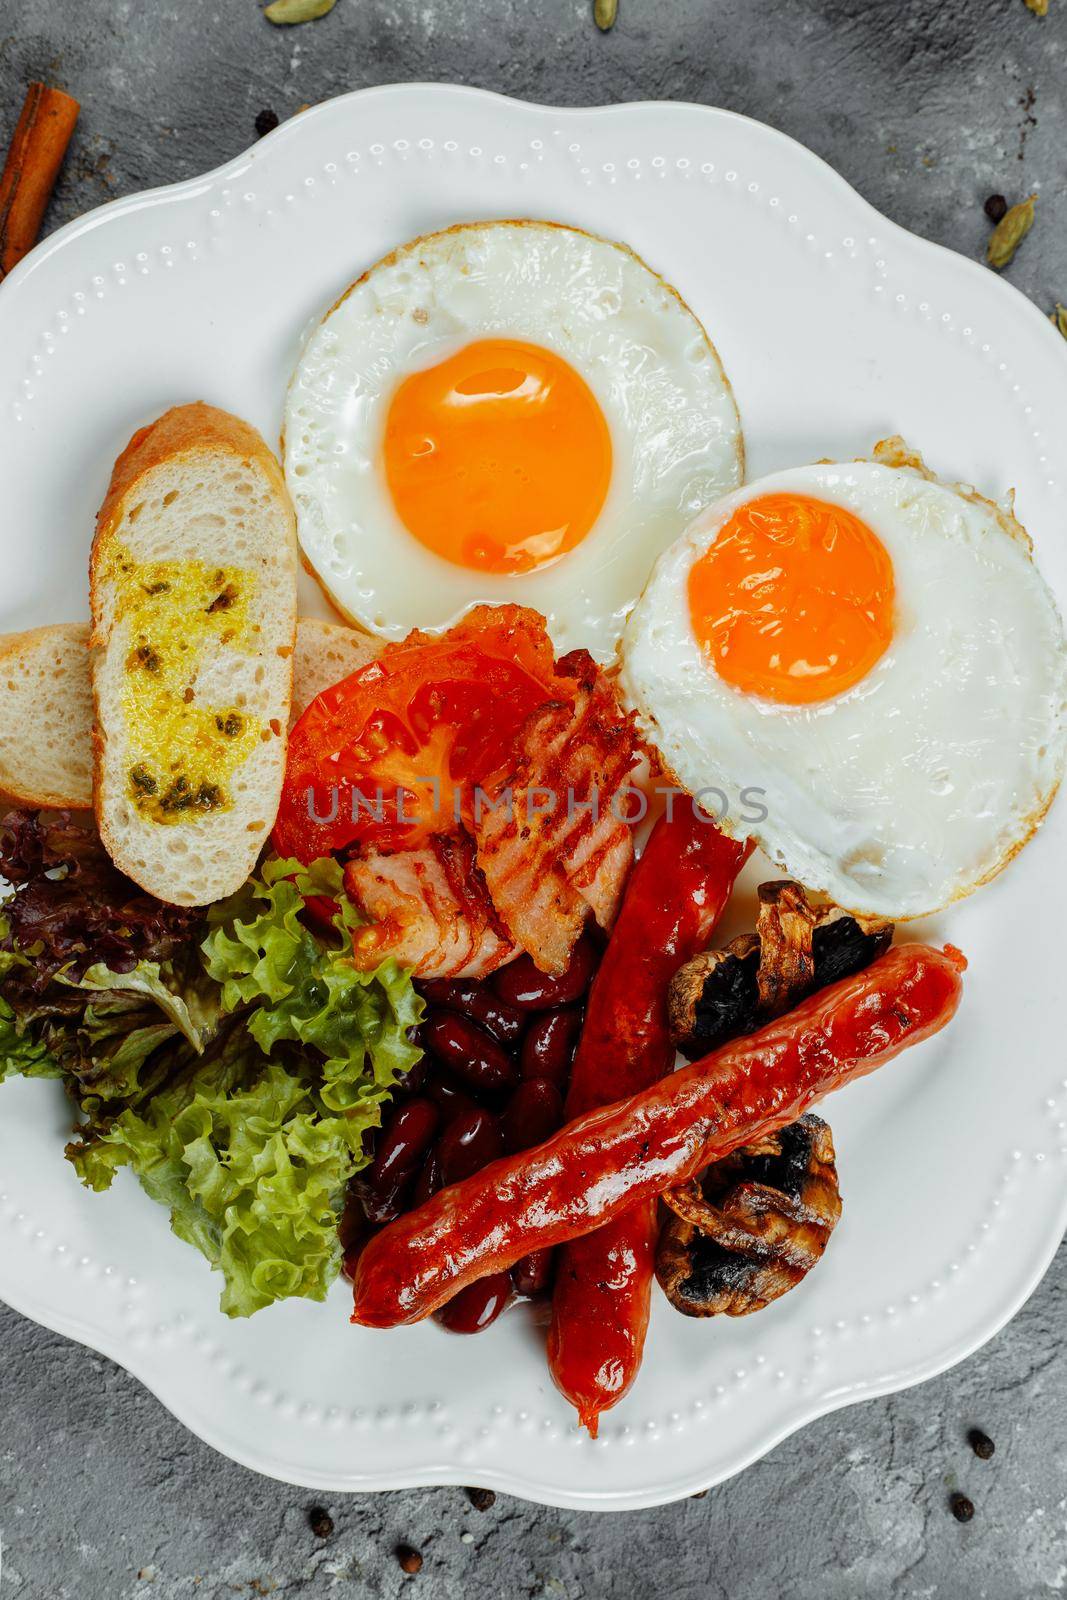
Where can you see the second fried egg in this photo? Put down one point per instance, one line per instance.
(507, 411)
(861, 667)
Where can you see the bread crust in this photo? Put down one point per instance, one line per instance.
(182, 431)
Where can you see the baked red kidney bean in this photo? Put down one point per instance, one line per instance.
(412, 1081)
(350, 1258)
(468, 1144)
(478, 1305)
(470, 1053)
(532, 1276)
(448, 1097)
(354, 1229)
(548, 1045)
(525, 987)
(385, 1205)
(402, 1148)
(477, 1001)
(428, 1181)
(534, 1112)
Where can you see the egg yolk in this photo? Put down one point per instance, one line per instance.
(794, 600)
(498, 458)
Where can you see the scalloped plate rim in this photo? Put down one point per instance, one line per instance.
(512, 1482)
(287, 130)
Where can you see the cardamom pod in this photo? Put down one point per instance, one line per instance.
(1059, 319)
(286, 12)
(605, 12)
(1038, 7)
(1010, 232)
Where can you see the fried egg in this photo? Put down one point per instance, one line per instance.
(861, 667)
(505, 411)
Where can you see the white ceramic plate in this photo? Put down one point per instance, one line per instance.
(836, 327)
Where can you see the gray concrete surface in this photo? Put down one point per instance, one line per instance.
(926, 106)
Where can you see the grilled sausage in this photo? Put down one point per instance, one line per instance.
(676, 895)
(596, 1169)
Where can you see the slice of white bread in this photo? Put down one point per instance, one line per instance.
(46, 717)
(46, 704)
(192, 590)
(326, 652)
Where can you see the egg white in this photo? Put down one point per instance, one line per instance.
(919, 783)
(675, 432)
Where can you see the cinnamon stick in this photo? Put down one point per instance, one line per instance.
(32, 166)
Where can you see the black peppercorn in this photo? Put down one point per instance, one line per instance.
(981, 1444)
(481, 1499)
(996, 207)
(266, 122)
(962, 1508)
(320, 1522)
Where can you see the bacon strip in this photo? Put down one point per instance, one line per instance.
(430, 911)
(549, 843)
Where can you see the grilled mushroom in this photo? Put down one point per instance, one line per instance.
(796, 948)
(715, 996)
(750, 1227)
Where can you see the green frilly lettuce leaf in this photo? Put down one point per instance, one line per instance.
(251, 1144)
(306, 990)
(253, 1175)
(192, 1009)
(232, 1061)
(20, 1053)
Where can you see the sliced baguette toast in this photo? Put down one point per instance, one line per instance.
(46, 704)
(192, 589)
(46, 717)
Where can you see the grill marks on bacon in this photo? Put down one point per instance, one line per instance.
(547, 849)
(430, 911)
(546, 865)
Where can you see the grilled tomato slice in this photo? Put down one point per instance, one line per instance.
(394, 753)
